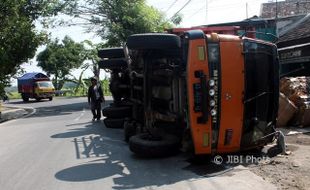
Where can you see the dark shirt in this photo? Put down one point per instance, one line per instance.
(92, 94)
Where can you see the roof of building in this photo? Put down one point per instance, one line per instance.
(255, 20)
(297, 33)
(284, 8)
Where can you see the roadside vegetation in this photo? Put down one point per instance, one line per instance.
(77, 91)
(14, 95)
(112, 20)
(19, 38)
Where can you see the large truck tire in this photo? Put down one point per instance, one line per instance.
(146, 146)
(129, 130)
(122, 103)
(114, 123)
(111, 53)
(117, 112)
(117, 92)
(112, 64)
(153, 41)
(25, 97)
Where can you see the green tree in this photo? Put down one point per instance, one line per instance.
(91, 54)
(18, 40)
(59, 59)
(91, 62)
(115, 20)
(18, 37)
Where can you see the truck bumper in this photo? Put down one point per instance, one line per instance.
(45, 95)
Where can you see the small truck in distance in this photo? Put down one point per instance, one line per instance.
(35, 85)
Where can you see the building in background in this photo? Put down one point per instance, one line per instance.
(278, 9)
(285, 22)
(294, 49)
(254, 27)
(289, 21)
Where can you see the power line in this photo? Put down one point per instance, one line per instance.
(174, 2)
(181, 8)
(214, 8)
(196, 12)
(189, 13)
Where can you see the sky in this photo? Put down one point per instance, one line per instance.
(195, 12)
(200, 12)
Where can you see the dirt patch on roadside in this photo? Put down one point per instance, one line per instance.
(290, 171)
(303, 139)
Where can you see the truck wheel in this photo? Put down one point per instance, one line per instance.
(116, 112)
(122, 103)
(147, 146)
(113, 64)
(113, 123)
(115, 89)
(25, 98)
(50, 98)
(153, 41)
(129, 130)
(111, 53)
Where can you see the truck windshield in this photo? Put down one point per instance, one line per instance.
(261, 90)
(45, 84)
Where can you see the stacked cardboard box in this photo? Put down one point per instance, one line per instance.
(294, 103)
(286, 112)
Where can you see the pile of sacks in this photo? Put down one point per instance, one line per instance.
(294, 102)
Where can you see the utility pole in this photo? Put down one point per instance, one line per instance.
(276, 10)
(206, 11)
(246, 9)
(276, 19)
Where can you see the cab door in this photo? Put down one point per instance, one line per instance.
(231, 94)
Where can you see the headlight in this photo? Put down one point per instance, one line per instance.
(211, 92)
(212, 103)
(213, 112)
(211, 83)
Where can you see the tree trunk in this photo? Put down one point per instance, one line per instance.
(56, 82)
(96, 69)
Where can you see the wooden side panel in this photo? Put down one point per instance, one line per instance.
(197, 60)
(232, 67)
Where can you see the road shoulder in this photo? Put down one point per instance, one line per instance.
(11, 112)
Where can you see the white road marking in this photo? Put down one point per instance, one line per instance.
(81, 115)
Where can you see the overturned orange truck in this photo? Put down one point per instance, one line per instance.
(207, 93)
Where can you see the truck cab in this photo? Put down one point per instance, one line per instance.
(44, 89)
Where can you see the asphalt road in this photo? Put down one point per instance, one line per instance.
(58, 147)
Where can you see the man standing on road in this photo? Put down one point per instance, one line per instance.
(95, 98)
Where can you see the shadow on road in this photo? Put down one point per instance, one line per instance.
(28, 102)
(110, 157)
(60, 110)
(64, 109)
